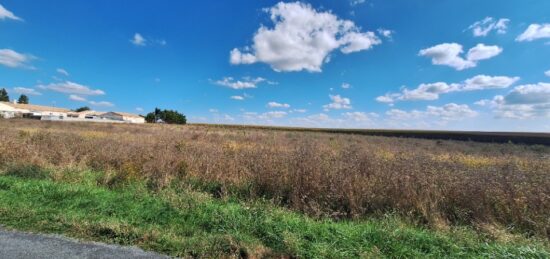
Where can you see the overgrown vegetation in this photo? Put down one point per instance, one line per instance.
(499, 190)
(185, 223)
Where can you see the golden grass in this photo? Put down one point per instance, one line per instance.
(322, 174)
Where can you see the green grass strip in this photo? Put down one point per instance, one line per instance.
(186, 223)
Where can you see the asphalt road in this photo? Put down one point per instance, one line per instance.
(18, 245)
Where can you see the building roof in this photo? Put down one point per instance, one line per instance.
(92, 113)
(125, 114)
(32, 107)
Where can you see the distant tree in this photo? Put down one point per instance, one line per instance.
(23, 99)
(82, 109)
(4, 97)
(168, 116)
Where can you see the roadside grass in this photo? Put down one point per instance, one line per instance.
(188, 223)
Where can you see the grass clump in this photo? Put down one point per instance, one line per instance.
(180, 222)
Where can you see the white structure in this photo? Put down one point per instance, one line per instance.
(11, 110)
(15, 110)
(122, 116)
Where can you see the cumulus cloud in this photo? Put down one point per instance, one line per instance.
(534, 32)
(523, 102)
(244, 83)
(484, 27)
(278, 105)
(5, 14)
(101, 104)
(346, 86)
(78, 98)
(302, 38)
(482, 52)
(449, 54)
(338, 103)
(14, 59)
(26, 91)
(432, 91)
(71, 88)
(62, 71)
(547, 73)
(447, 112)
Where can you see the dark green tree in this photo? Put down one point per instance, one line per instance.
(23, 99)
(168, 116)
(81, 109)
(4, 97)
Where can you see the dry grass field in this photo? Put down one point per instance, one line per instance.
(493, 188)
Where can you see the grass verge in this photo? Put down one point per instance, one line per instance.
(187, 223)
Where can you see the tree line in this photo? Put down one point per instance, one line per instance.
(4, 97)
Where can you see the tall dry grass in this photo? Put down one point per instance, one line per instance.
(340, 176)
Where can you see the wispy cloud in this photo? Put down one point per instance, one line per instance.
(13, 59)
(5, 14)
(484, 27)
(26, 91)
(68, 87)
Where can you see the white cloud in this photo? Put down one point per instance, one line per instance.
(71, 88)
(138, 40)
(482, 52)
(357, 2)
(266, 117)
(484, 27)
(302, 38)
(299, 110)
(78, 98)
(278, 105)
(534, 32)
(523, 102)
(433, 90)
(448, 54)
(26, 91)
(346, 86)
(139, 109)
(388, 34)
(484, 82)
(5, 14)
(338, 103)
(245, 83)
(13, 59)
(213, 110)
(237, 97)
(359, 116)
(447, 112)
(62, 71)
(547, 73)
(101, 104)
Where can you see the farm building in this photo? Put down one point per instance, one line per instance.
(15, 110)
(123, 116)
(11, 110)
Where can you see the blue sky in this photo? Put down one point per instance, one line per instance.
(460, 65)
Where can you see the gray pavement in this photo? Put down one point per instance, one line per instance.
(19, 245)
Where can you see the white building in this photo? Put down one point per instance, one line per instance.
(13, 109)
(123, 116)
(16, 110)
